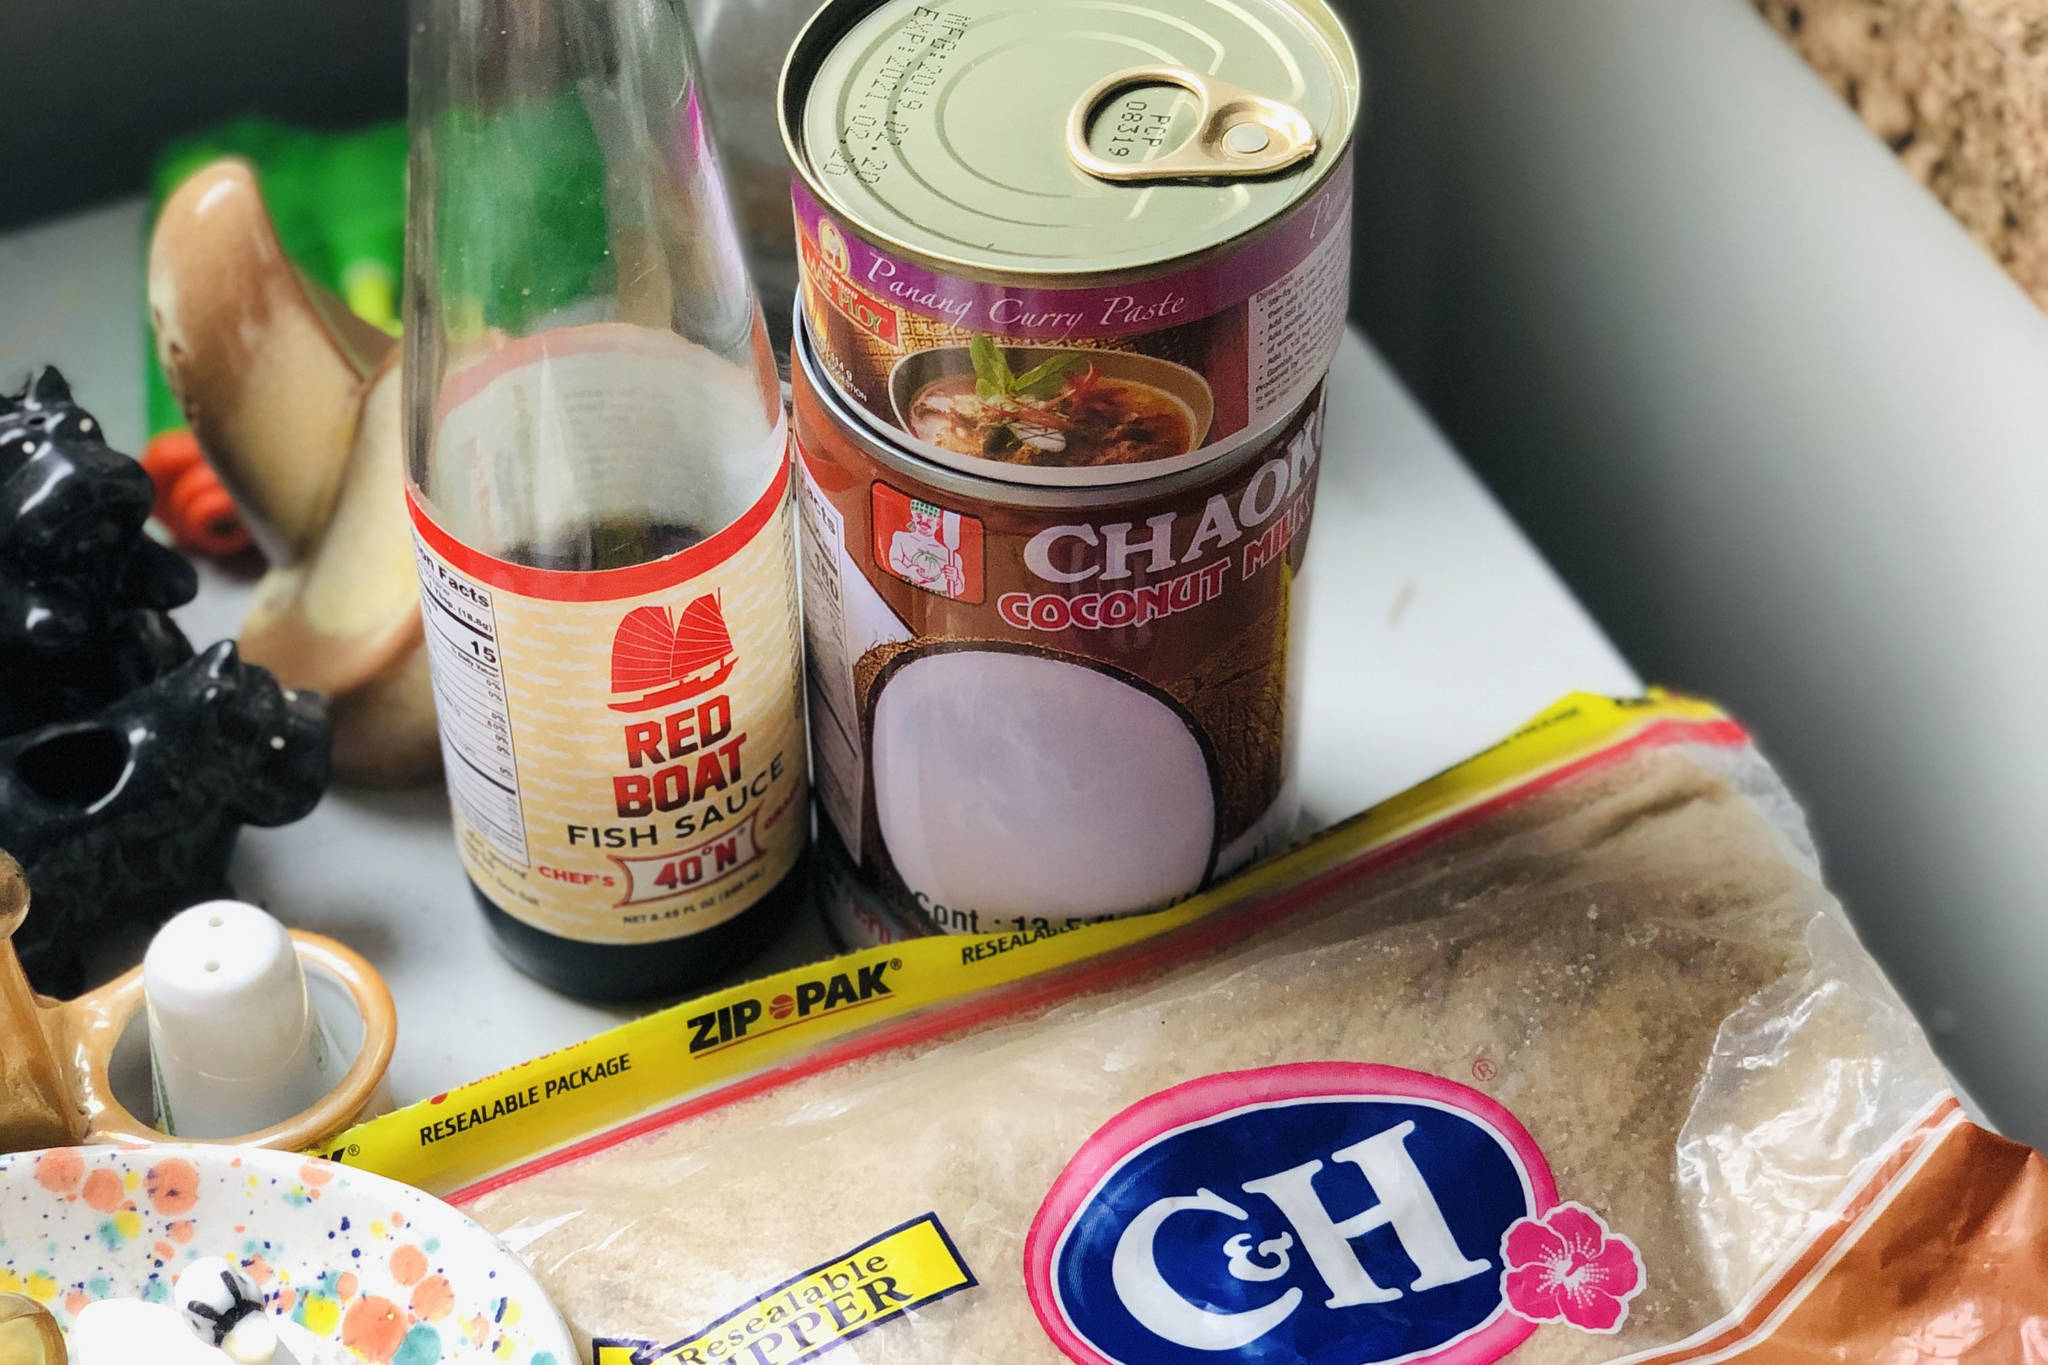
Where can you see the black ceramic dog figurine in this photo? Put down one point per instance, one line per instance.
(132, 812)
(83, 592)
(127, 766)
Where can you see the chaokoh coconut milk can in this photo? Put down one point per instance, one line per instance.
(1073, 276)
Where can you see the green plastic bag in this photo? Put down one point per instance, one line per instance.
(338, 200)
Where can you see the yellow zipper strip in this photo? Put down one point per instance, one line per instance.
(469, 1133)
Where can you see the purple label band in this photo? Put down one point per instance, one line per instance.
(1058, 315)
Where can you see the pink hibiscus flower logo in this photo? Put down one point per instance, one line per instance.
(1567, 1267)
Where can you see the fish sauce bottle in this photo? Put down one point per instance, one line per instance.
(598, 480)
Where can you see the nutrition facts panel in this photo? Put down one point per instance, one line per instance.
(1297, 323)
(835, 738)
(469, 691)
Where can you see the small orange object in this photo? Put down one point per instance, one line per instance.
(190, 501)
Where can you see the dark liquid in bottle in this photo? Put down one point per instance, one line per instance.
(609, 543)
(611, 972)
(636, 971)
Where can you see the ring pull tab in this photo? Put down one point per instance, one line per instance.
(1238, 134)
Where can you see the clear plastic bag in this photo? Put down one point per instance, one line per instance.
(1589, 1068)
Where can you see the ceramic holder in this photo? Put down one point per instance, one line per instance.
(55, 1087)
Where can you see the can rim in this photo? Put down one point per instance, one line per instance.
(877, 444)
(835, 18)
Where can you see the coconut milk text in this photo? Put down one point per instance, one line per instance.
(1275, 504)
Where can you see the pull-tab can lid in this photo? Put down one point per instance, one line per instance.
(1067, 140)
(1235, 134)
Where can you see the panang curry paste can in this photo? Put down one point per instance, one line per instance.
(1036, 707)
(1070, 242)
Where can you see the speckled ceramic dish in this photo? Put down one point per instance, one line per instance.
(395, 1275)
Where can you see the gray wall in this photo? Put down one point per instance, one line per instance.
(1775, 418)
(95, 88)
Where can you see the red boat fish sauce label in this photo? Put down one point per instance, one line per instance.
(624, 747)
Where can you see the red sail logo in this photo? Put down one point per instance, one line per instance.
(661, 658)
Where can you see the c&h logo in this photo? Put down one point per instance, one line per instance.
(1320, 1211)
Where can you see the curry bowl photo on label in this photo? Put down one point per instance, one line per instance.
(1051, 407)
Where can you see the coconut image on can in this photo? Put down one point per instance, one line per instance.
(973, 742)
(1034, 707)
(1072, 243)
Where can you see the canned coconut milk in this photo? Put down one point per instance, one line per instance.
(1072, 242)
(1034, 707)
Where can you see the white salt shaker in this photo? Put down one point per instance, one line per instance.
(235, 1043)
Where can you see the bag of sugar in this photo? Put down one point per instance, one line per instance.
(1590, 1067)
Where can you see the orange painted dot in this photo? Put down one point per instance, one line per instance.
(345, 1286)
(163, 1251)
(408, 1265)
(60, 1170)
(286, 1297)
(173, 1186)
(103, 1190)
(374, 1328)
(257, 1269)
(397, 1220)
(315, 1173)
(75, 1302)
(434, 1299)
(180, 1231)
